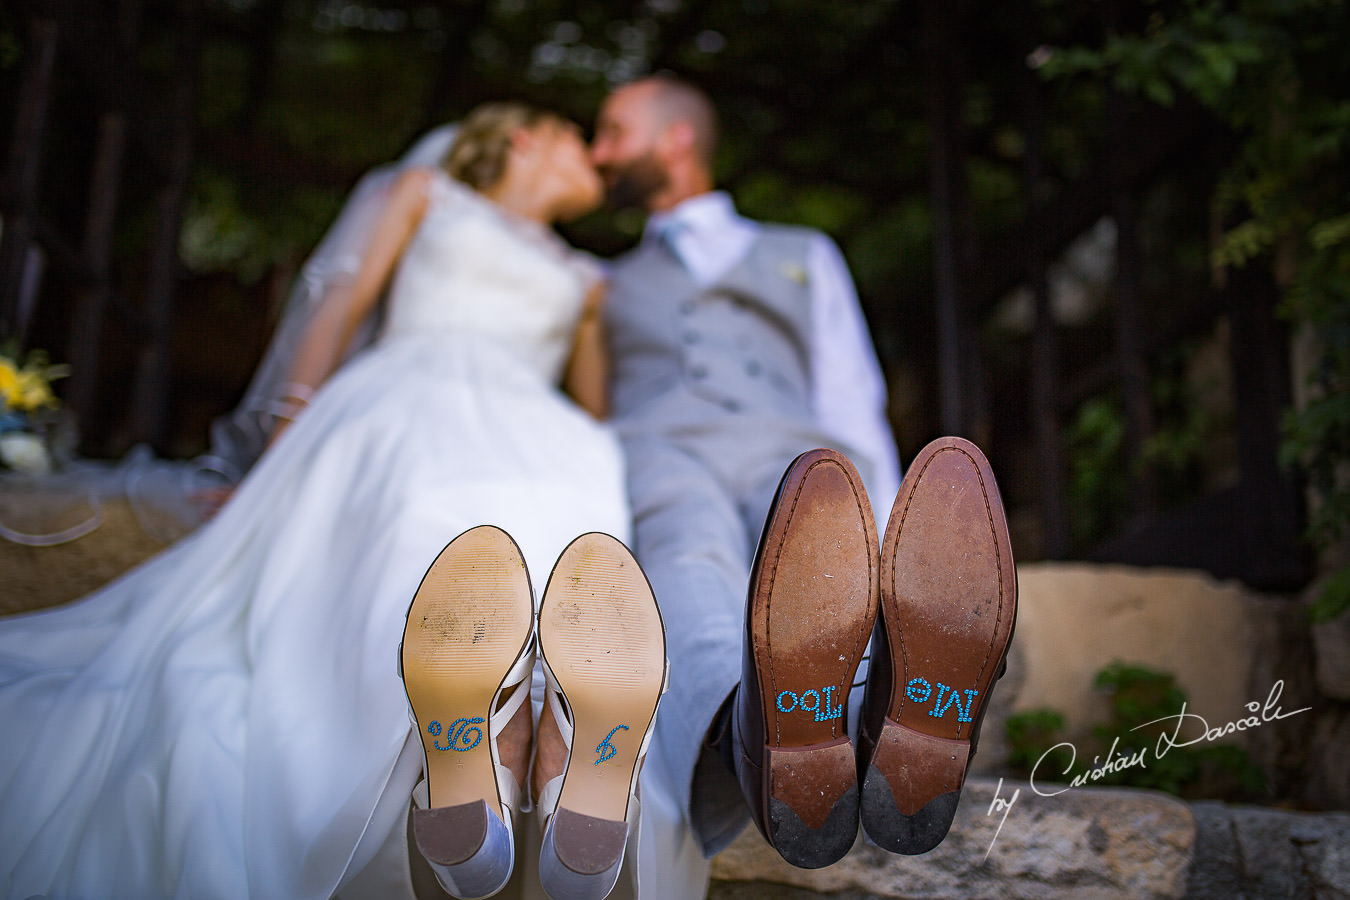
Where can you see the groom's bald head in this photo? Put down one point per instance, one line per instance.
(654, 142)
(677, 101)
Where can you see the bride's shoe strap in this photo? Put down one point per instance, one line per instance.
(512, 695)
(562, 714)
(548, 800)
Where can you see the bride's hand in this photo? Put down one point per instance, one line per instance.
(212, 499)
(587, 377)
(282, 425)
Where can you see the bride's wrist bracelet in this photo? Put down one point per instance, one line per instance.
(287, 411)
(294, 398)
(297, 392)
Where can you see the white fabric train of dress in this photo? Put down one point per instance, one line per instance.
(226, 720)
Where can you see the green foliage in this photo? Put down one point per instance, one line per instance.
(1334, 598)
(1317, 437)
(1138, 695)
(11, 50)
(228, 228)
(1030, 734)
(1098, 469)
(1275, 72)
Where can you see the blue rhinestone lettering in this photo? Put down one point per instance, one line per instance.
(821, 703)
(918, 690)
(826, 711)
(940, 709)
(605, 748)
(464, 734)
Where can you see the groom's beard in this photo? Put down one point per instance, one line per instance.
(633, 183)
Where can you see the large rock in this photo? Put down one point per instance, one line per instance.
(1331, 647)
(1085, 843)
(1075, 619)
(1258, 853)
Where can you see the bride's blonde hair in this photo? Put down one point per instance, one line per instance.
(480, 149)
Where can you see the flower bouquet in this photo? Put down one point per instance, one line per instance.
(30, 414)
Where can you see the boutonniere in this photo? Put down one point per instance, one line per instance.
(794, 272)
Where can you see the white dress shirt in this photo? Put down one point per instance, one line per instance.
(848, 392)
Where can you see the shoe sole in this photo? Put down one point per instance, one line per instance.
(600, 632)
(949, 603)
(813, 602)
(472, 616)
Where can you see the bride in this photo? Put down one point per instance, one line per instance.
(227, 720)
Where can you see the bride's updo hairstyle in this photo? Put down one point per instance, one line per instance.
(480, 149)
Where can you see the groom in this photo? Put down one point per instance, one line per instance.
(737, 347)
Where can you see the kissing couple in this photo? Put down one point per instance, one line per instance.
(458, 403)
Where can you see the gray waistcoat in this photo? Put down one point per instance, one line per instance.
(741, 344)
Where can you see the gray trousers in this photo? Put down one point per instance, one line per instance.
(700, 494)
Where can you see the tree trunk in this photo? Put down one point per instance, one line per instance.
(946, 179)
(151, 396)
(1272, 504)
(91, 300)
(1131, 366)
(20, 259)
(1045, 395)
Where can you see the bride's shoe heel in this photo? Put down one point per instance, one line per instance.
(603, 646)
(471, 851)
(467, 653)
(581, 856)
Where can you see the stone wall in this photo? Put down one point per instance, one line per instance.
(1227, 646)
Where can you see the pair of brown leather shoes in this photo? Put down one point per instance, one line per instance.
(940, 596)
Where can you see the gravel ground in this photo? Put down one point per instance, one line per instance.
(36, 577)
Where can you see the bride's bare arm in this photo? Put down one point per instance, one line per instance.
(587, 376)
(346, 305)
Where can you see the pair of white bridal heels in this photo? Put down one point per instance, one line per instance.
(468, 651)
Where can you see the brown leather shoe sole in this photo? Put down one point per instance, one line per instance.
(812, 605)
(948, 606)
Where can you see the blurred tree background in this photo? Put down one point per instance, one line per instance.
(1109, 240)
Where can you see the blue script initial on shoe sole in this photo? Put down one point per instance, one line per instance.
(605, 748)
(462, 731)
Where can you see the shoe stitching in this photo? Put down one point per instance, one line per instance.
(890, 576)
(998, 557)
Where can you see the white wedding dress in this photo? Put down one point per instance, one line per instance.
(226, 720)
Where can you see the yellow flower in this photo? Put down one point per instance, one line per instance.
(33, 391)
(9, 383)
(28, 387)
